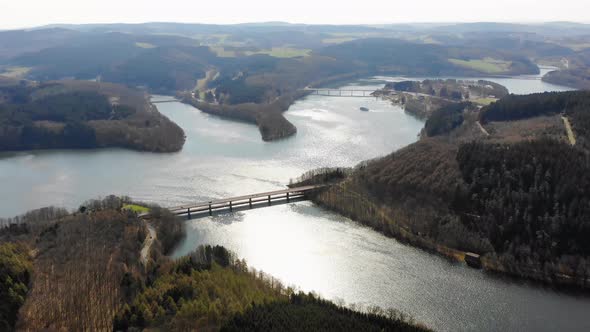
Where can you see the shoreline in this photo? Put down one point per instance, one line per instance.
(269, 118)
(84, 115)
(274, 126)
(378, 220)
(156, 134)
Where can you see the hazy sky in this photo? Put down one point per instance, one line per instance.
(27, 13)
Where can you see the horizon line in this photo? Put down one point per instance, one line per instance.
(376, 24)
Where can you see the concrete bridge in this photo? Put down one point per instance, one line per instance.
(240, 203)
(348, 92)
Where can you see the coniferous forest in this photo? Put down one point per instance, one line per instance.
(531, 200)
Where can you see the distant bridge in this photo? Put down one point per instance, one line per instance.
(240, 203)
(165, 101)
(521, 77)
(358, 93)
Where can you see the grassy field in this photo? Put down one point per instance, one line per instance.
(527, 129)
(202, 83)
(283, 52)
(485, 65)
(222, 52)
(429, 40)
(570, 132)
(577, 46)
(145, 45)
(136, 208)
(484, 101)
(214, 39)
(49, 91)
(15, 72)
(277, 52)
(337, 40)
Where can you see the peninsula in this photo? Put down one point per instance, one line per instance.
(422, 99)
(82, 115)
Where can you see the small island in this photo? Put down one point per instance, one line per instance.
(421, 99)
(82, 115)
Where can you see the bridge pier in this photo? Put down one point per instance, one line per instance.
(230, 207)
(287, 197)
(250, 202)
(269, 200)
(188, 213)
(210, 210)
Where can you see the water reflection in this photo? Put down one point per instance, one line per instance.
(319, 251)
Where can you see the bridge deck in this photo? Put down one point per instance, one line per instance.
(245, 197)
(208, 206)
(346, 92)
(165, 101)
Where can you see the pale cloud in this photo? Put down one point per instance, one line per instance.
(27, 13)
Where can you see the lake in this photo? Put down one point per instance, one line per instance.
(301, 244)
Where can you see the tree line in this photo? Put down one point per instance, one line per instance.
(307, 312)
(530, 200)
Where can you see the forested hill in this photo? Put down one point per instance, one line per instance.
(408, 58)
(82, 114)
(573, 104)
(240, 68)
(163, 64)
(170, 63)
(513, 190)
(576, 73)
(80, 271)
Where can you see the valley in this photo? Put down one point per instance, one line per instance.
(240, 160)
(451, 195)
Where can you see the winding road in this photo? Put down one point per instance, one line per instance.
(147, 244)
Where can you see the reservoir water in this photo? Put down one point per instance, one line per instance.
(300, 244)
